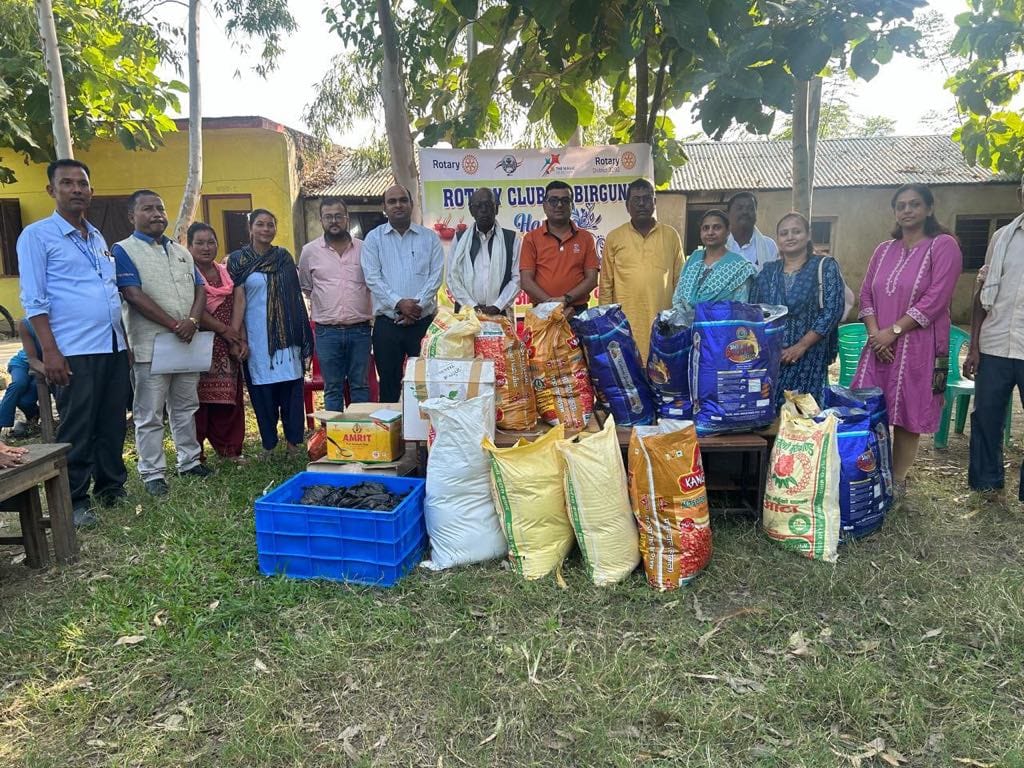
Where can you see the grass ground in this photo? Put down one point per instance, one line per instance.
(908, 652)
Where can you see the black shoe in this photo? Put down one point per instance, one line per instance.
(110, 499)
(157, 487)
(83, 517)
(199, 470)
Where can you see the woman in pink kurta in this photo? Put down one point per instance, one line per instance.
(904, 302)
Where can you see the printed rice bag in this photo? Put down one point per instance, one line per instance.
(451, 334)
(801, 498)
(872, 400)
(458, 510)
(598, 503)
(526, 483)
(862, 498)
(616, 370)
(516, 405)
(668, 363)
(560, 381)
(670, 502)
(734, 365)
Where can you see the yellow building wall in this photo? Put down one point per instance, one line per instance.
(255, 161)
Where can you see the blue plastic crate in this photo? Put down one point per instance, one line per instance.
(308, 542)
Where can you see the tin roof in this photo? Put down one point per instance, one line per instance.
(351, 182)
(877, 161)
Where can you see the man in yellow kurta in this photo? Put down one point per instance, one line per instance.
(641, 264)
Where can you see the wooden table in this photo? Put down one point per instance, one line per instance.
(44, 464)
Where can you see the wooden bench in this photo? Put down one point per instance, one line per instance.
(44, 464)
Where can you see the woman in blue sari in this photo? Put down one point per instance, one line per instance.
(713, 273)
(810, 339)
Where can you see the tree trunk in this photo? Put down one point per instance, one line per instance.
(801, 159)
(396, 111)
(194, 180)
(643, 80)
(813, 121)
(55, 73)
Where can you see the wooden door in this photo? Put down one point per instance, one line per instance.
(10, 229)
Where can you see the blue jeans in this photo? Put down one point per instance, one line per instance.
(20, 393)
(344, 353)
(994, 383)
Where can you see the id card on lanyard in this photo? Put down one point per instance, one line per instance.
(85, 246)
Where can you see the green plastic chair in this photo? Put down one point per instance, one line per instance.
(959, 391)
(852, 338)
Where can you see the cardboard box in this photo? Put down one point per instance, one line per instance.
(431, 377)
(365, 433)
(406, 466)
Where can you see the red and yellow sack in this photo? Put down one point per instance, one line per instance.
(516, 407)
(560, 379)
(451, 334)
(670, 502)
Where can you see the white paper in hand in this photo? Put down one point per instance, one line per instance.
(172, 355)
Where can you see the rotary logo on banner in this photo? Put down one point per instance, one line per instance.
(598, 176)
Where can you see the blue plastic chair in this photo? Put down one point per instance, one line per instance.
(959, 391)
(852, 338)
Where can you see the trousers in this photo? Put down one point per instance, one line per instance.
(344, 354)
(993, 387)
(392, 343)
(155, 393)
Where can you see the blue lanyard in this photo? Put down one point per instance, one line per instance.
(88, 252)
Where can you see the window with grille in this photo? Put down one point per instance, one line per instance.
(974, 233)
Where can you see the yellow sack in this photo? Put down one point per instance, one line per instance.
(560, 378)
(451, 334)
(513, 387)
(670, 502)
(801, 498)
(800, 403)
(598, 504)
(526, 482)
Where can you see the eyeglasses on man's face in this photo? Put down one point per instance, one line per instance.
(329, 217)
(556, 201)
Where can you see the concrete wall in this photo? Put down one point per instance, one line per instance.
(254, 161)
(862, 218)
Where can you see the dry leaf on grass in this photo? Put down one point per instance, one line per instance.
(798, 645)
(130, 640)
(261, 667)
(866, 646)
(972, 761)
(172, 723)
(931, 633)
(213, 606)
(498, 726)
(742, 685)
(159, 618)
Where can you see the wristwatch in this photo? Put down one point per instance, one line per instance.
(897, 329)
(567, 299)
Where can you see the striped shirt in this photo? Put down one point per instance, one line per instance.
(397, 267)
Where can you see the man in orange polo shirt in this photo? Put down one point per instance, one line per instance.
(558, 260)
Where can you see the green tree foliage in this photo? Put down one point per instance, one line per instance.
(732, 61)
(988, 86)
(110, 54)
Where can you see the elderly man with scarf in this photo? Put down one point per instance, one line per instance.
(996, 356)
(483, 272)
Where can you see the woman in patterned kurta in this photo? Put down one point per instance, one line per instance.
(810, 337)
(904, 302)
(221, 415)
(713, 273)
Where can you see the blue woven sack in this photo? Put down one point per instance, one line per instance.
(614, 364)
(668, 364)
(872, 400)
(734, 365)
(862, 498)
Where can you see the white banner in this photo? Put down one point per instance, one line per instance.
(598, 175)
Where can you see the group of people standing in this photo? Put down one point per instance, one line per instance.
(380, 294)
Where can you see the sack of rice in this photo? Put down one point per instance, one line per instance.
(560, 380)
(450, 335)
(516, 405)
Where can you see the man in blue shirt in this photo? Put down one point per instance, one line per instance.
(163, 293)
(69, 293)
(402, 265)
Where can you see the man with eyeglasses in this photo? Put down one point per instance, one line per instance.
(642, 262)
(483, 270)
(559, 260)
(331, 276)
(403, 265)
